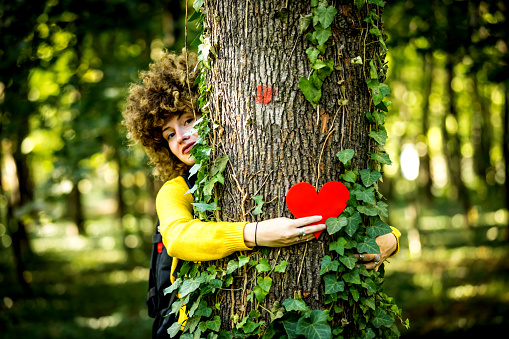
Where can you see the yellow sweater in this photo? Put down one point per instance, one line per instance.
(190, 239)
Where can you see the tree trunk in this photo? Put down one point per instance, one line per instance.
(274, 137)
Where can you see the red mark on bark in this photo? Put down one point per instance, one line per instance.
(264, 94)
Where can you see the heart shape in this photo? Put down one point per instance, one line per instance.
(303, 201)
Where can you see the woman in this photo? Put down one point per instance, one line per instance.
(160, 115)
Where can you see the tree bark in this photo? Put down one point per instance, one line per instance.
(275, 138)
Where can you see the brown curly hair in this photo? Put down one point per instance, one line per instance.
(162, 93)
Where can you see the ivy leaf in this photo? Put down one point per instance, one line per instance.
(380, 136)
(259, 204)
(355, 294)
(202, 207)
(334, 225)
(219, 165)
(264, 283)
(378, 90)
(381, 318)
(369, 285)
(294, 305)
(338, 246)
(370, 302)
(348, 261)
(314, 327)
(377, 2)
(360, 4)
(191, 324)
(189, 285)
(345, 155)
(369, 177)
(281, 268)
(381, 208)
(173, 286)
(326, 15)
(215, 324)
(232, 266)
(369, 334)
(369, 209)
(366, 195)
(332, 285)
(243, 260)
(322, 34)
(312, 54)
(263, 266)
(311, 93)
(350, 176)
(203, 310)
(325, 69)
(368, 246)
(352, 277)
(174, 329)
(328, 265)
(382, 158)
(377, 228)
(251, 326)
(353, 223)
(304, 22)
(290, 325)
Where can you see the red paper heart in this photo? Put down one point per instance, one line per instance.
(303, 201)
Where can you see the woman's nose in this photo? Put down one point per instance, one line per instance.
(182, 134)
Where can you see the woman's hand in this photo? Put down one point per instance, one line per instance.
(387, 243)
(281, 232)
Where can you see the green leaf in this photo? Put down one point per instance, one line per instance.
(203, 310)
(251, 326)
(365, 194)
(368, 246)
(332, 285)
(368, 209)
(380, 136)
(328, 265)
(315, 80)
(189, 285)
(264, 283)
(377, 228)
(322, 34)
(338, 246)
(381, 318)
(369, 285)
(219, 165)
(304, 22)
(215, 324)
(294, 305)
(202, 207)
(281, 268)
(197, 4)
(355, 294)
(353, 223)
(314, 327)
(377, 2)
(174, 329)
(232, 266)
(259, 204)
(326, 15)
(263, 266)
(311, 93)
(326, 70)
(345, 155)
(173, 286)
(312, 54)
(373, 74)
(381, 208)
(290, 325)
(334, 225)
(369, 177)
(350, 176)
(382, 158)
(348, 261)
(243, 260)
(359, 4)
(352, 277)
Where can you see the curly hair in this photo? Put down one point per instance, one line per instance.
(162, 93)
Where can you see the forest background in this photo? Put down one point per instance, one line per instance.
(77, 203)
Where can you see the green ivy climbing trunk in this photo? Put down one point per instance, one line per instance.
(274, 137)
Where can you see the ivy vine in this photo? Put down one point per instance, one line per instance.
(374, 312)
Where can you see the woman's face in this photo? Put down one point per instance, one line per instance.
(177, 131)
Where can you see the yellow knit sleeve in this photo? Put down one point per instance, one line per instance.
(397, 233)
(191, 239)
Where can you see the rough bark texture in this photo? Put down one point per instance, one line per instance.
(272, 135)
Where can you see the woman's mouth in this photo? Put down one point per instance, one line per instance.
(187, 148)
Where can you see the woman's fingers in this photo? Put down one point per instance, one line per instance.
(307, 220)
(371, 261)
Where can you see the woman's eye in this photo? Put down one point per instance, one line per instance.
(188, 121)
(170, 135)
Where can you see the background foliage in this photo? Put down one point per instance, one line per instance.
(76, 210)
